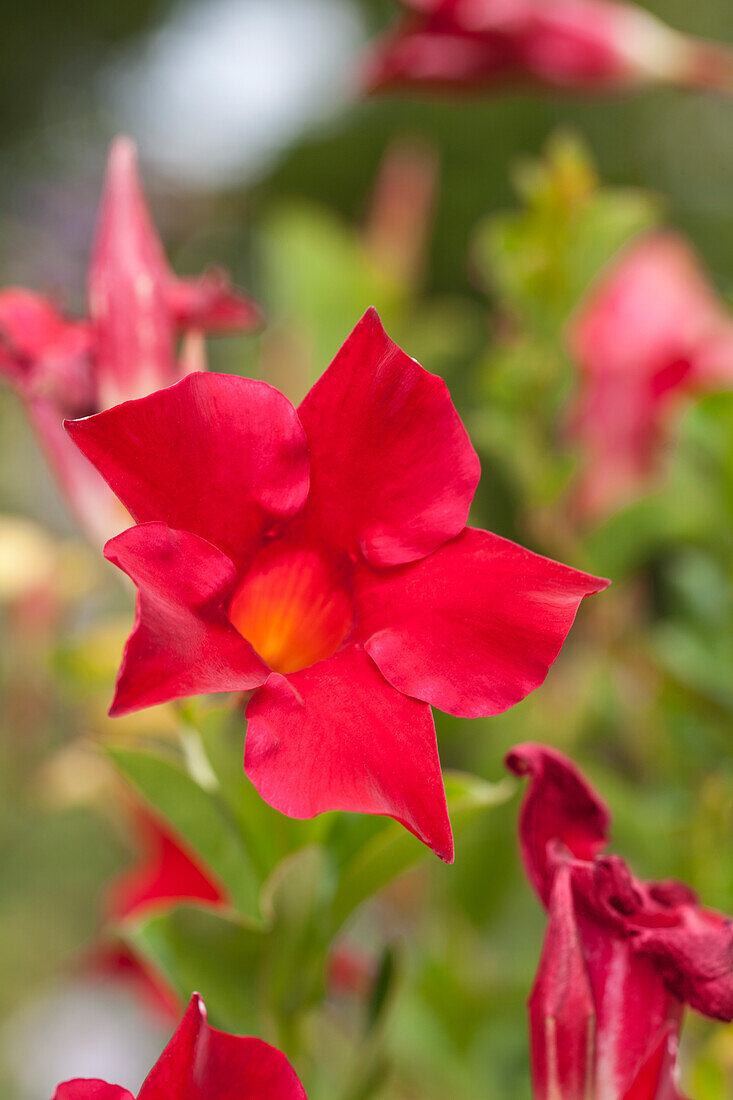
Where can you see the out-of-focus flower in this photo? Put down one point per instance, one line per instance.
(201, 1063)
(651, 333)
(167, 874)
(65, 368)
(575, 45)
(322, 557)
(621, 958)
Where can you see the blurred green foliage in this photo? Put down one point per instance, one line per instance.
(642, 696)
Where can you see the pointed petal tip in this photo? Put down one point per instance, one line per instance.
(196, 1004)
(122, 156)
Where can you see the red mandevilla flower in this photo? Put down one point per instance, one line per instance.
(621, 958)
(581, 45)
(65, 368)
(322, 558)
(651, 333)
(201, 1063)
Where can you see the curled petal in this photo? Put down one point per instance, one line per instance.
(473, 628)
(90, 1089)
(336, 736)
(558, 806)
(220, 456)
(182, 643)
(695, 957)
(561, 1008)
(212, 304)
(201, 1063)
(393, 472)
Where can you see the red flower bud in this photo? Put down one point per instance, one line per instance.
(622, 956)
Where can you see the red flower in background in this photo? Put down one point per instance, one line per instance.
(578, 45)
(651, 333)
(321, 558)
(65, 368)
(621, 958)
(201, 1063)
(166, 874)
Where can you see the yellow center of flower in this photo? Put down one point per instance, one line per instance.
(293, 607)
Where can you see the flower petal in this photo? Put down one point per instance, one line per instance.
(212, 304)
(166, 872)
(558, 806)
(45, 355)
(86, 1088)
(473, 628)
(393, 472)
(651, 330)
(220, 456)
(561, 1008)
(336, 736)
(128, 275)
(182, 643)
(657, 1078)
(201, 1063)
(695, 957)
(632, 1005)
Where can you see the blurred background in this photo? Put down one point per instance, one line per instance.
(257, 155)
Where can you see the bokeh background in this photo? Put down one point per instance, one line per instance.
(257, 154)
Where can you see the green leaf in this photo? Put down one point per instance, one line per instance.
(208, 952)
(392, 849)
(200, 818)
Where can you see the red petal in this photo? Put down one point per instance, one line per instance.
(651, 310)
(393, 472)
(657, 1078)
(182, 643)
(435, 60)
(45, 355)
(473, 628)
(632, 1004)
(648, 332)
(561, 1008)
(558, 806)
(336, 736)
(201, 1063)
(210, 303)
(167, 872)
(90, 1089)
(220, 456)
(583, 45)
(695, 957)
(128, 277)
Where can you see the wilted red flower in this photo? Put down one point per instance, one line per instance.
(322, 557)
(65, 368)
(166, 874)
(201, 1063)
(651, 333)
(621, 958)
(578, 45)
